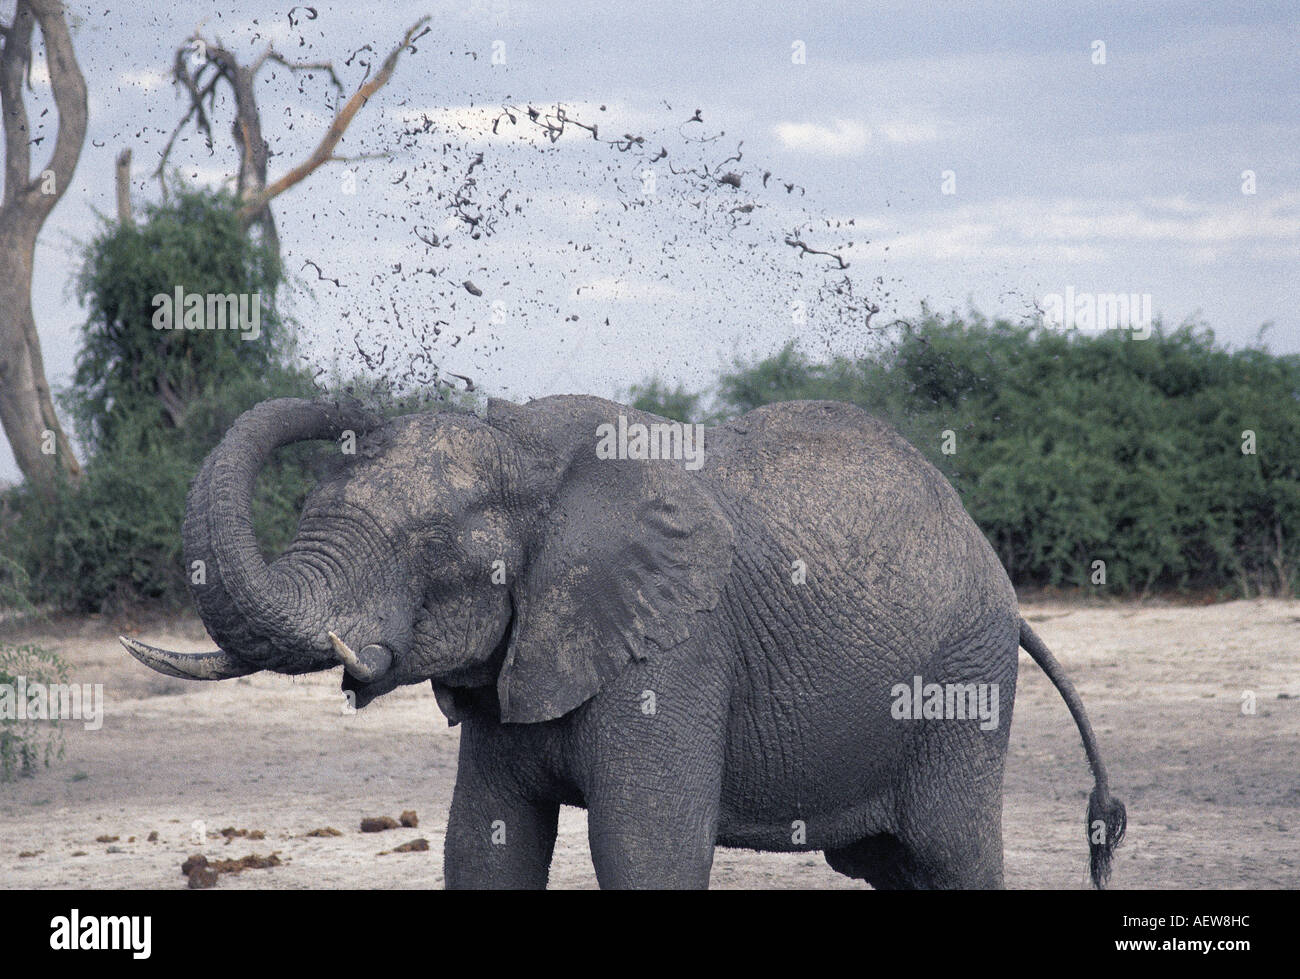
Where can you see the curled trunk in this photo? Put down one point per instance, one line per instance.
(265, 615)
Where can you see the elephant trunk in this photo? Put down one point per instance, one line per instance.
(263, 617)
(256, 611)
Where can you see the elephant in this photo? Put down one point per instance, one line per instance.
(752, 646)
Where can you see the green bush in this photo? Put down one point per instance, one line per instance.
(113, 540)
(1073, 448)
(149, 405)
(130, 374)
(27, 743)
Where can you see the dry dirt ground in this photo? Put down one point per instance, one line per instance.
(1213, 793)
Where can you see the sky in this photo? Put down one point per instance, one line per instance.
(964, 155)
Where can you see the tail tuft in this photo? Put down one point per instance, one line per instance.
(1107, 821)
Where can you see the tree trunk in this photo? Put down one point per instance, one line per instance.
(39, 443)
(123, 172)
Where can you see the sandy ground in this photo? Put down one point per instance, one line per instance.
(1213, 793)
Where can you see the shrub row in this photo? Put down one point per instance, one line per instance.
(1173, 459)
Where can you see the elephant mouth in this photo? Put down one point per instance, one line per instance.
(361, 692)
(367, 666)
(357, 691)
(363, 672)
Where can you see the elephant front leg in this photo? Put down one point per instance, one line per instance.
(654, 787)
(642, 839)
(498, 843)
(498, 837)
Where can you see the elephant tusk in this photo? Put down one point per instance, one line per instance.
(216, 665)
(344, 652)
(373, 662)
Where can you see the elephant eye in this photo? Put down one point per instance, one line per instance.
(435, 534)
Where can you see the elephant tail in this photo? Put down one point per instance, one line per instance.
(1107, 819)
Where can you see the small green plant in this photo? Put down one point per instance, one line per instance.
(656, 397)
(26, 743)
(14, 580)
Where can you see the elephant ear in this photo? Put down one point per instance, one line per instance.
(628, 552)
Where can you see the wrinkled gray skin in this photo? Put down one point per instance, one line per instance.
(649, 656)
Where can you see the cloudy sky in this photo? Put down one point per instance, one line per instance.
(964, 154)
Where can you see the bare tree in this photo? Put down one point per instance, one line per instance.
(39, 443)
(217, 64)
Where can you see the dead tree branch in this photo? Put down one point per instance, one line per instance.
(325, 149)
(220, 65)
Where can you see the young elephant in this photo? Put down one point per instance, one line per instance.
(790, 637)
